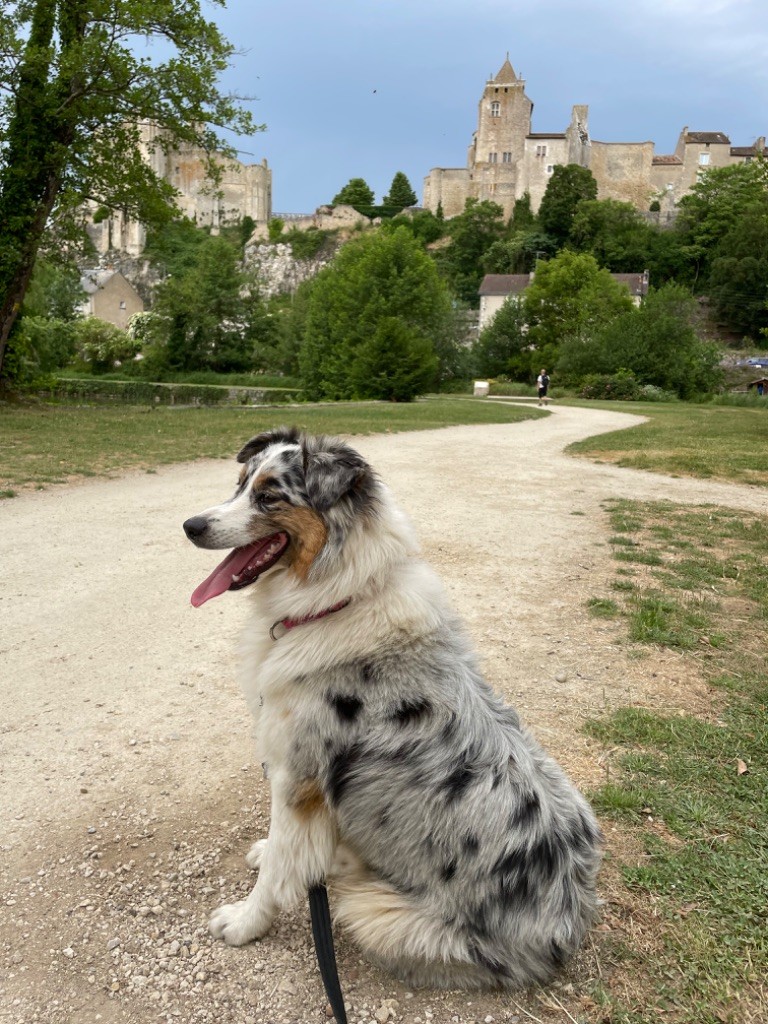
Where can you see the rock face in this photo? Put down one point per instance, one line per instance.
(279, 271)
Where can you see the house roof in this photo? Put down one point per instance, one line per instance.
(546, 135)
(513, 284)
(92, 280)
(666, 160)
(637, 283)
(708, 138)
(748, 150)
(504, 284)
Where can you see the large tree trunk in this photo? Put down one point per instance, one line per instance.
(39, 136)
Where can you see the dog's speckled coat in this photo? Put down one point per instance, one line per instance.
(457, 852)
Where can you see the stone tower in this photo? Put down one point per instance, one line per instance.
(498, 145)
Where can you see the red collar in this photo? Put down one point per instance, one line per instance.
(293, 623)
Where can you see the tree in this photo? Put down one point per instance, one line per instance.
(569, 185)
(400, 193)
(502, 348)
(738, 279)
(519, 254)
(612, 232)
(377, 277)
(355, 193)
(656, 343)
(396, 363)
(76, 94)
(472, 232)
(571, 297)
(212, 312)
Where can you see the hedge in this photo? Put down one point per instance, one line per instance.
(141, 392)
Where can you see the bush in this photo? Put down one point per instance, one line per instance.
(305, 245)
(99, 345)
(620, 386)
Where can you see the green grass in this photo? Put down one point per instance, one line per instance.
(679, 784)
(48, 444)
(682, 439)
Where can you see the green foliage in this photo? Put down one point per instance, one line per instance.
(400, 192)
(472, 234)
(246, 227)
(502, 347)
(657, 344)
(75, 92)
(523, 218)
(54, 291)
(99, 345)
(621, 386)
(275, 229)
(738, 279)
(612, 232)
(355, 193)
(173, 249)
(423, 224)
(395, 363)
(209, 315)
(519, 254)
(570, 298)
(305, 245)
(568, 186)
(374, 278)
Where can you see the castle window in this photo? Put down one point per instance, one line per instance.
(492, 158)
(506, 158)
(122, 304)
(550, 168)
(495, 108)
(541, 151)
(704, 159)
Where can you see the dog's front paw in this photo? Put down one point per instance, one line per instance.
(254, 856)
(237, 924)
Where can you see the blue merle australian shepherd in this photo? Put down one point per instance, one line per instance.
(457, 853)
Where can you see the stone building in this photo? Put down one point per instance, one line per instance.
(245, 190)
(110, 297)
(506, 158)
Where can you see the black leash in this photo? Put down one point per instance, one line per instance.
(320, 914)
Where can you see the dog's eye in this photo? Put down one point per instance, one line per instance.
(264, 498)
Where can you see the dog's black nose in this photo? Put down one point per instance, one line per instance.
(195, 527)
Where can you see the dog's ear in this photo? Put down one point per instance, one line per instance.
(334, 473)
(288, 435)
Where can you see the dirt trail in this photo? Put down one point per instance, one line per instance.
(127, 781)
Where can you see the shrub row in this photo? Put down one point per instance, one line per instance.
(145, 393)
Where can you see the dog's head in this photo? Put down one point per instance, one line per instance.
(295, 500)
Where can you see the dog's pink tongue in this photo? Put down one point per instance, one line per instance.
(220, 579)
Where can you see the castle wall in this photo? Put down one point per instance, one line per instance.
(623, 171)
(449, 187)
(505, 159)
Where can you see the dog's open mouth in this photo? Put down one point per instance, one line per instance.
(241, 567)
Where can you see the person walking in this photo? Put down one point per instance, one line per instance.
(542, 382)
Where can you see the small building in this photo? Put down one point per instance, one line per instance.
(110, 297)
(496, 288)
(760, 385)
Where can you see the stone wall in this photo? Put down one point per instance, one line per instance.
(278, 271)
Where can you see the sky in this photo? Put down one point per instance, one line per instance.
(366, 88)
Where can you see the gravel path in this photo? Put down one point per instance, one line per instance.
(127, 781)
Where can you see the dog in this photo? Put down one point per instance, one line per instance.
(457, 853)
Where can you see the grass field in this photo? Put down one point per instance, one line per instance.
(689, 791)
(50, 444)
(708, 441)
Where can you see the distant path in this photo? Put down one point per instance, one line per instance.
(119, 712)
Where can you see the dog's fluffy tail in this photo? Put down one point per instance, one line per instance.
(396, 932)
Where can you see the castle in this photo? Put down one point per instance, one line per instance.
(245, 190)
(506, 159)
